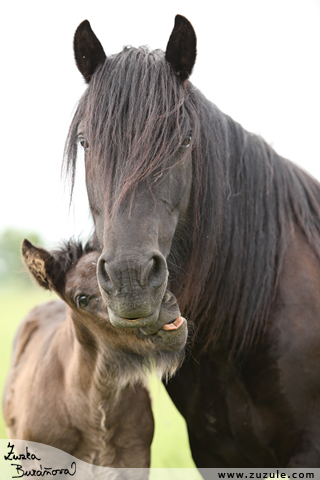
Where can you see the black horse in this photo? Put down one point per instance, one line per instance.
(184, 198)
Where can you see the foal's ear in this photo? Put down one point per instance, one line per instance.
(88, 51)
(44, 268)
(182, 48)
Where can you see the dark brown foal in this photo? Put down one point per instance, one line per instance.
(76, 382)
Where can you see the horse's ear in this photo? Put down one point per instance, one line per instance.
(88, 51)
(44, 268)
(182, 48)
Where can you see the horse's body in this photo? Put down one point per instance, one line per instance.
(184, 198)
(77, 383)
(265, 411)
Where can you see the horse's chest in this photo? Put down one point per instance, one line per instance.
(226, 428)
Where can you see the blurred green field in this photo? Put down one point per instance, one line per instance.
(170, 447)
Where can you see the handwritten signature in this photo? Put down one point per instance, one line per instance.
(42, 471)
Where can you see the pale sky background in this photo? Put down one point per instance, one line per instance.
(258, 61)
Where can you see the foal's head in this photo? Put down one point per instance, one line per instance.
(71, 272)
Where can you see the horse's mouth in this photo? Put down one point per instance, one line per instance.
(171, 327)
(173, 324)
(167, 323)
(141, 322)
(164, 326)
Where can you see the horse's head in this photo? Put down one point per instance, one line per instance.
(136, 123)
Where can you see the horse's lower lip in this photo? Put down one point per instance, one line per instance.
(122, 322)
(167, 329)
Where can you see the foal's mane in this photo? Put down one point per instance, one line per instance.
(226, 269)
(69, 253)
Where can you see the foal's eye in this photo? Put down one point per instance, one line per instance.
(82, 301)
(84, 144)
(186, 142)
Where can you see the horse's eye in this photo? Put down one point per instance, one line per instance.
(186, 142)
(84, 144)
(83, 301)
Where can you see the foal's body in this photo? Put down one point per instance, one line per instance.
(71, 385)
(70, 399)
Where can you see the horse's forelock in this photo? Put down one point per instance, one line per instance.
(136, 114)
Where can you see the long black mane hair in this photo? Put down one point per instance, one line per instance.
(225, 264)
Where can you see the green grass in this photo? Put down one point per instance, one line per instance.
(14, 305)
(170, 447)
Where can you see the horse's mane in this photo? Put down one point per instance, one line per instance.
(245, 197)
(262, 197)
(135, 115)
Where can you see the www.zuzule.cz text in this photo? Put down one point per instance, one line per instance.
(277, 474)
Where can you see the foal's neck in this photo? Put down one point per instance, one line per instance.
(97, 366)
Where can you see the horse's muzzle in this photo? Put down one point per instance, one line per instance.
(133, 288)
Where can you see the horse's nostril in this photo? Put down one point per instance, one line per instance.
(104, 277)
(155, 269)
(158, 271)
(104, 266)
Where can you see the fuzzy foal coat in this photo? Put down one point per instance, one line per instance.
(69, 385)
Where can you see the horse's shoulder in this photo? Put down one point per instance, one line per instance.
(300, 278)
(294, 327)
